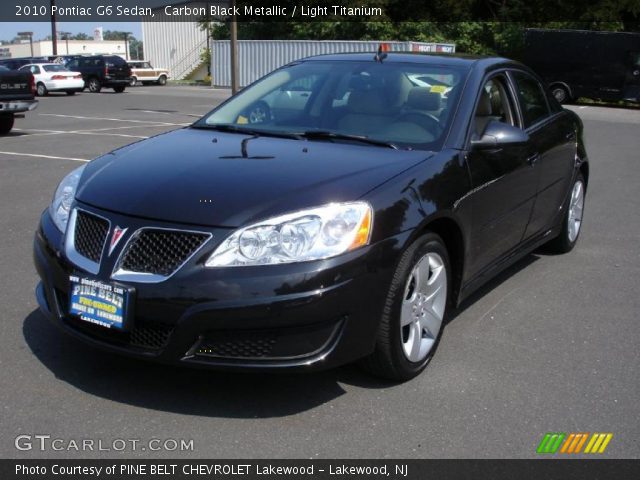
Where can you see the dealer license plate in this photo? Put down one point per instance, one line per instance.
(97, 302)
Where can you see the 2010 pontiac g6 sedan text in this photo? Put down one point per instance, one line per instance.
(336, 210)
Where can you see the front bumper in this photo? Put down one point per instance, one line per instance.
(311, 315)
(17, 106)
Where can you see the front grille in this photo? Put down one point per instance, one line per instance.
(160, 252)
(248, 346)
(90, 235)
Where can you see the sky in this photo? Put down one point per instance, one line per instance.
(8, 30)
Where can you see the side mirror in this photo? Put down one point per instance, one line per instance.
(497, 134)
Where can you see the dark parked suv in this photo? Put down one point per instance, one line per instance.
(100, 71)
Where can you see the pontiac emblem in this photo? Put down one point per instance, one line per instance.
(118, 233)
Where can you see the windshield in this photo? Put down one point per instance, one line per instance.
(54, 68)
(404, 104)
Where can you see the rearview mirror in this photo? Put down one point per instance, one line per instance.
(497, 134)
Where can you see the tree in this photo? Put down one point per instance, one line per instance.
(80, 36)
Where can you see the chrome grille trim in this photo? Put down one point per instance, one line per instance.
(122, 274)
(70, 241)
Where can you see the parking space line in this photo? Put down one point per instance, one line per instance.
(37, 155)
(76, 132)
(113, 119)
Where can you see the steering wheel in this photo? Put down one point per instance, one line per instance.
(424, 120)
(259, 112)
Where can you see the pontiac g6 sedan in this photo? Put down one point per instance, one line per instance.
(335, 210)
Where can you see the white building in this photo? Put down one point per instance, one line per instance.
(44, 48)
(175, 45)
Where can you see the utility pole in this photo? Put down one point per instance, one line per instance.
(126, 44)
(65, 36)
(54, 35)
(235, 73)
(30, 35)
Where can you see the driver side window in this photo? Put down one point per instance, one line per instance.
(494, 104)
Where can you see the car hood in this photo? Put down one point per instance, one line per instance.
(205, 177)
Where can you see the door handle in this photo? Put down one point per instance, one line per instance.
(571, 136)
(533, 159)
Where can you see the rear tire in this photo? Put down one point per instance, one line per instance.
(414, 312)
(6, 123)
(162, 80)
(41, 90)
(94, 85)
(572, 219)
(133, 82)
(119, 89)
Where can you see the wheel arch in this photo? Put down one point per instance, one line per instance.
(584, 170)
(563, 85)
(451, 233)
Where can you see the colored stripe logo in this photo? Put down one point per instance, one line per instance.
(558, 442)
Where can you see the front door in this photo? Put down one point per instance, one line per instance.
(504, 182)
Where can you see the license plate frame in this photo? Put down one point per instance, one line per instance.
(105, 304)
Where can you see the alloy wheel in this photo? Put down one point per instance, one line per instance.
(576, 206)
(423, 307)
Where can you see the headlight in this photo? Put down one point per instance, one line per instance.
(312, 234)
(62, 199)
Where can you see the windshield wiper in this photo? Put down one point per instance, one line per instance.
(326, 135)
(245, 131)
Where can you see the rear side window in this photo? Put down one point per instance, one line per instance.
(532, 99)
(114, 61)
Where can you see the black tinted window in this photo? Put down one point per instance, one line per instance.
(532, 99)
(114, 61)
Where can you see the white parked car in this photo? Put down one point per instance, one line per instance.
(53, 77)
(143, 72)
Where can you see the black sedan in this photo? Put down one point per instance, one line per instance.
(338, 209)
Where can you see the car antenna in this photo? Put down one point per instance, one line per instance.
(383, 48)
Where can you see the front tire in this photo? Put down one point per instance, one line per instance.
(6, 123)
(133, 82)
(162, 81)
(414, 311)
(71, 92)
(572, 219)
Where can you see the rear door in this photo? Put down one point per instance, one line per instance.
(551, 151)
(632, 78)
(117, 68)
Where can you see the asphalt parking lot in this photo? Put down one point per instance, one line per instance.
(549, 346)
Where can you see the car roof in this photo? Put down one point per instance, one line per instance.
(442, 59)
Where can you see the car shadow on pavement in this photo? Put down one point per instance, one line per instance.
(180, 389)
(498, 280)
